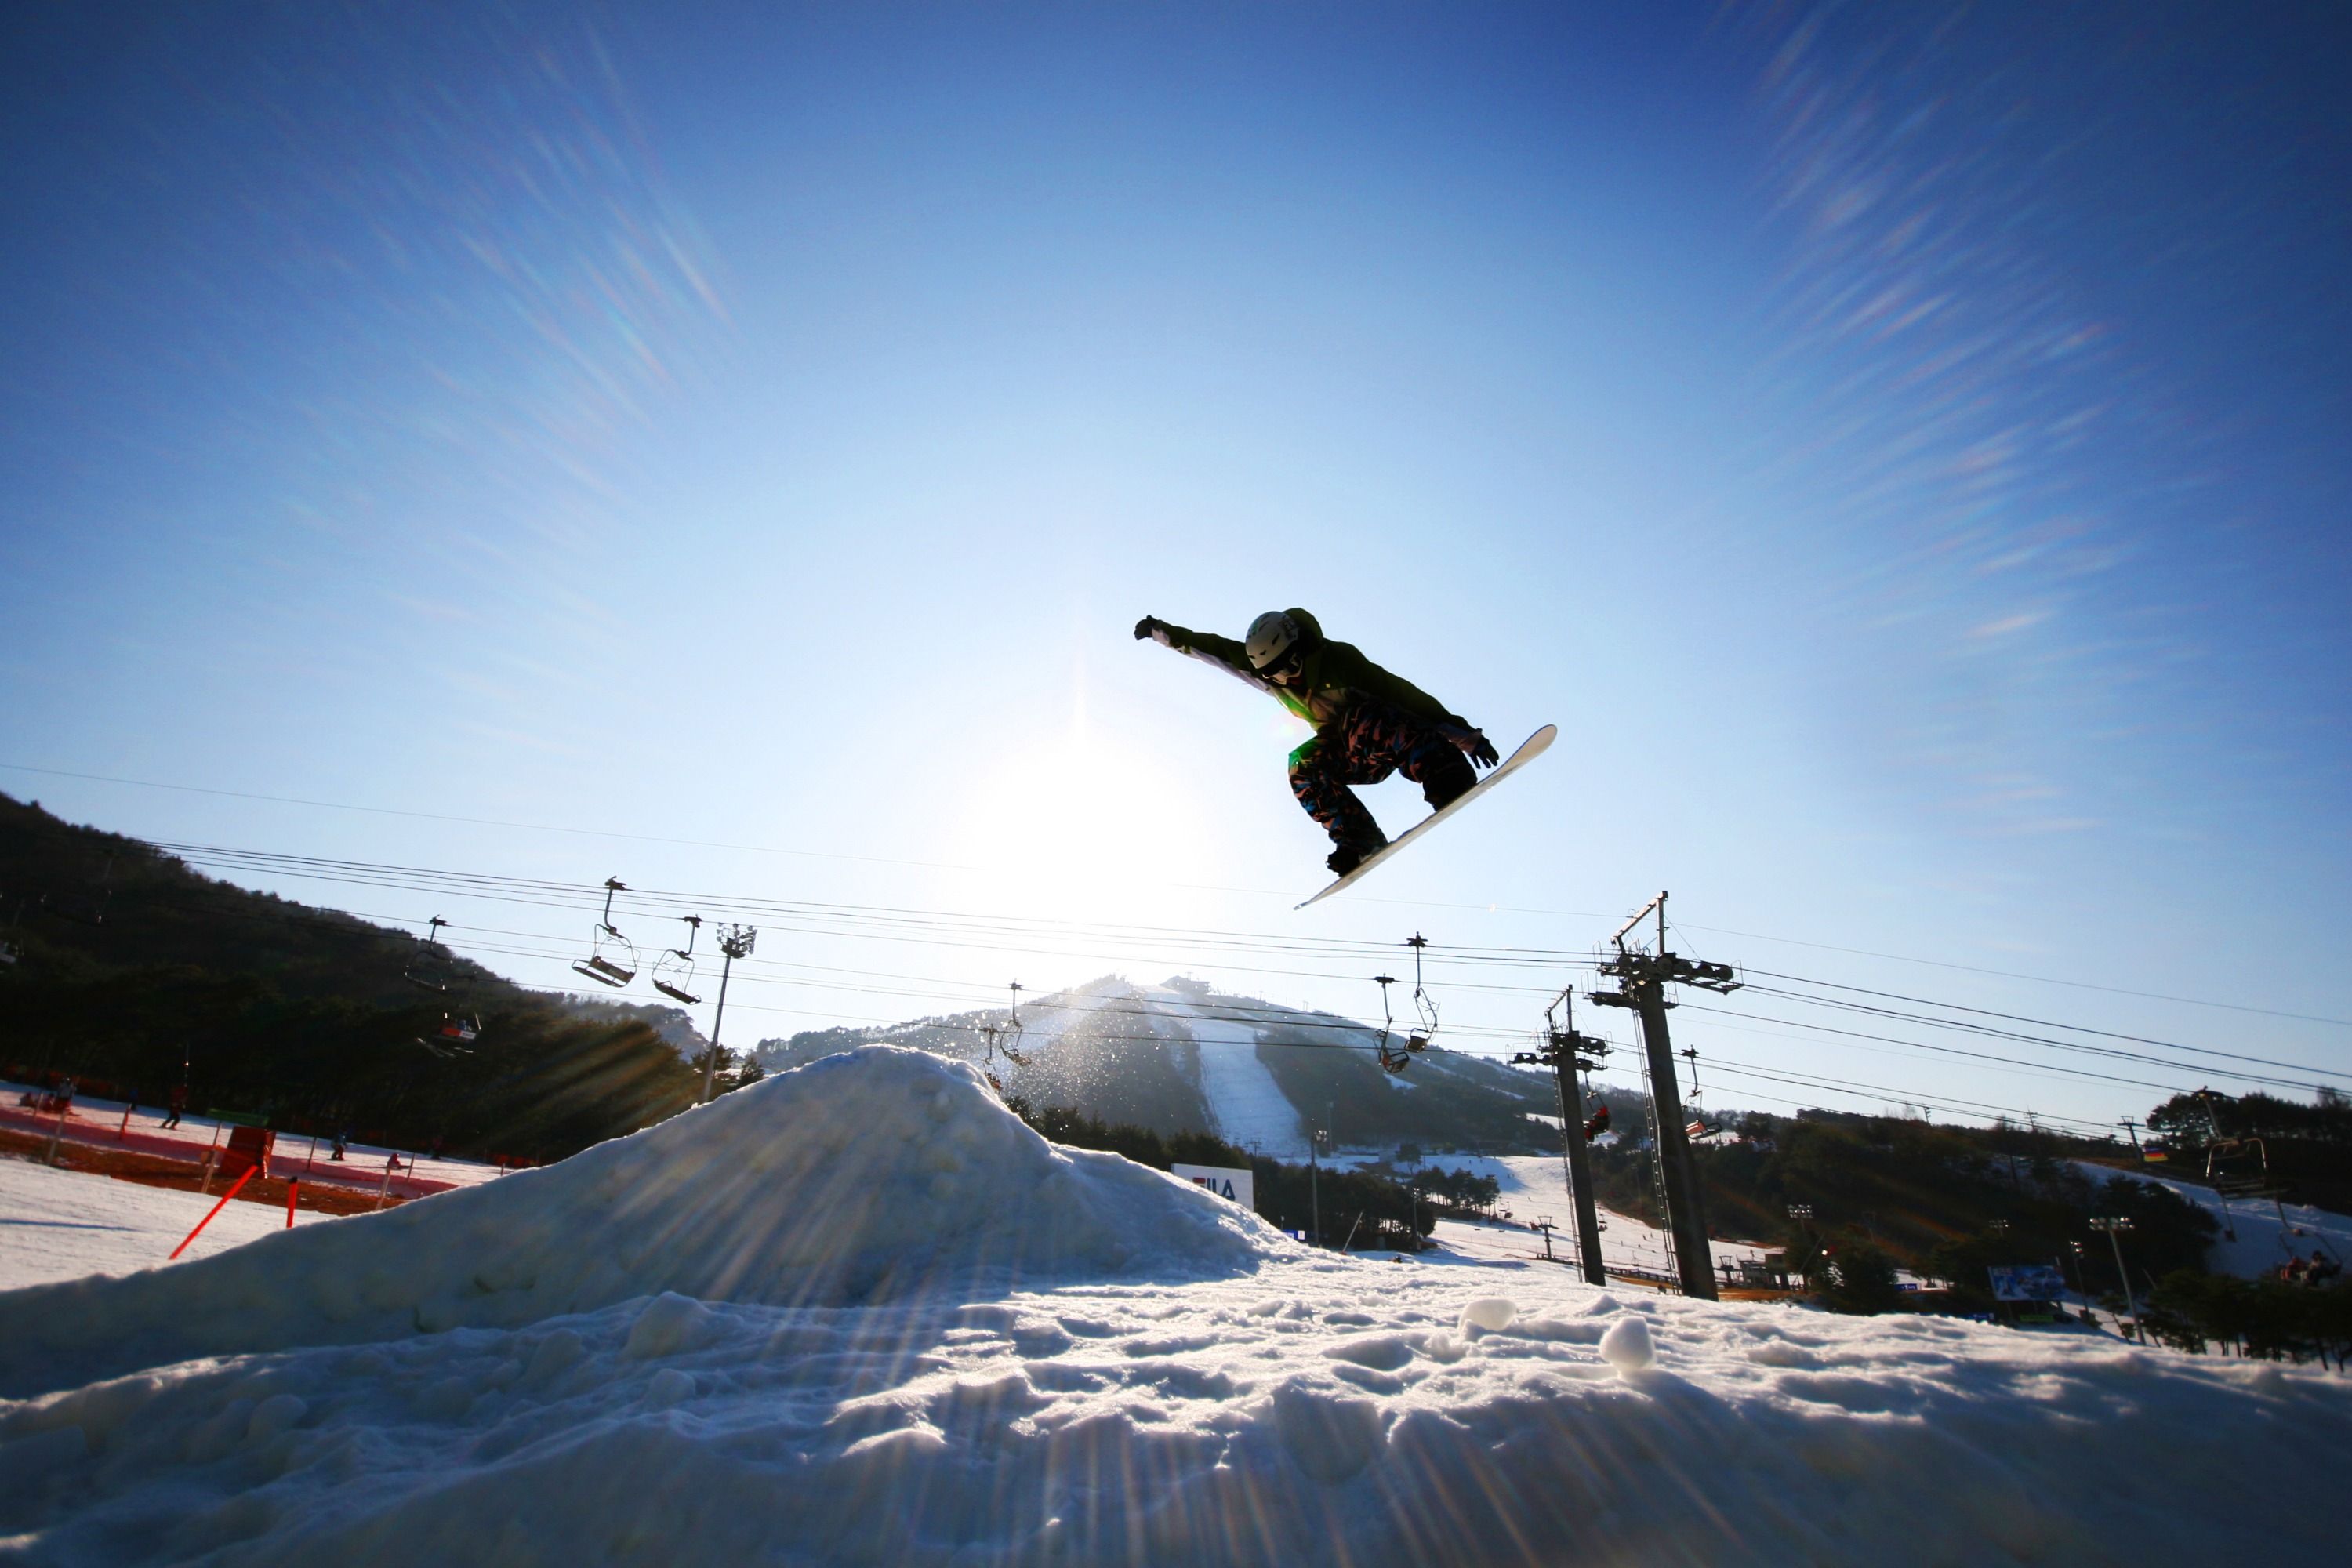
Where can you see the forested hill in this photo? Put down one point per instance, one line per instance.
(132, 970)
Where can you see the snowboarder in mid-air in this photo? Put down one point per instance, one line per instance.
(1368, 723)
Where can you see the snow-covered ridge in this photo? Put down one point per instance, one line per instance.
(1184, 1056)
(875, 1174)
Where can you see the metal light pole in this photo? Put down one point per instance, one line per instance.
(2114, 1227)
(1802, 1214)
(2082, 1277)
(736, 943)
(1315, 1184)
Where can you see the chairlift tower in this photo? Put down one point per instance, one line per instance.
(1569, 1056)
(735, 942)
(1641, 981)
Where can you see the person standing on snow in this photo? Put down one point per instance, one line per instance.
(1368, 723)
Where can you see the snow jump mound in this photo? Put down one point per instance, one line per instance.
(876, 1175)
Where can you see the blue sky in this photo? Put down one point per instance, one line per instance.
(1904, 451)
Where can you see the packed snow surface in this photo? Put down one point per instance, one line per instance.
(109, 1124)
(1085, 1363)
(880, 1173)
(61, 1225)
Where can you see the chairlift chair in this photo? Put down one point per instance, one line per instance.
(2239, 1167)
(81, 909)
(454, 1038)
(993, 1040)
(1013, 1047)
(1698, 1126)
(1419, 1038)
(989, 1034)
(84, 908)
(674, 970)
(1393, 1058)
(422, 972)
(612, 960)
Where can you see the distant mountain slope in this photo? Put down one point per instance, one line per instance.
(1183, 1056)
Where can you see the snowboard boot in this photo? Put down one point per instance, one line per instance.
(1446, 779)
(1347, 857)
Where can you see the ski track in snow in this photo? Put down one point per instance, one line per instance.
(646, 1355)
(1247, 1104)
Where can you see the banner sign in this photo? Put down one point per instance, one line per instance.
(2027, 1284)
(1239, 1186)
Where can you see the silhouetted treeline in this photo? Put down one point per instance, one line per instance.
(136, 974)
(1379, 1213)
(1942, 1201)
(2305, 1147)
(2264, 1317)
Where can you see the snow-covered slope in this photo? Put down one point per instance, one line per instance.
(2255, 1238)
(882, 1172)
(858, 1315)
(1183, 1057)
(60, 1224)
(1245, 1104)
(1321, 1412)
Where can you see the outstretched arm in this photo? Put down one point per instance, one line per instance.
(1207, 646)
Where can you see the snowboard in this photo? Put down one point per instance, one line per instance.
(1529, 750)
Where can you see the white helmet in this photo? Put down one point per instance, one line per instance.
(1270, 636)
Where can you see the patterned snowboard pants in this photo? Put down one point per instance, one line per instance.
(1364, 746)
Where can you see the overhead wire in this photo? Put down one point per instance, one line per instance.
(769, 849)
(2042, 1023)
(1030, 936)
(1939, 1050)
(1739, 1069)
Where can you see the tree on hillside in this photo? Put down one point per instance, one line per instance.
(298, 1015)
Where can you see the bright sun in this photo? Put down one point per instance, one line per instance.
(1074, 822)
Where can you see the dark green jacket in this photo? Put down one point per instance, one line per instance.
(1331, 675)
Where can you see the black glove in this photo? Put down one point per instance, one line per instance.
(1146, 627)
(1481, 749)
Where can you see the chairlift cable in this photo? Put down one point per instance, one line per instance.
(1572, 915)
(903, 925)
(1980, 1055)
(2015, 1018)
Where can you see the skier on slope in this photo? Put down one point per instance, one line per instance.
(1368, 723)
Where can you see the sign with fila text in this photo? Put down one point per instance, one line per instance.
(1237, 1185)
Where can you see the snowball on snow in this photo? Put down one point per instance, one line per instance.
(1488, 1312)
(1626, 1346)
